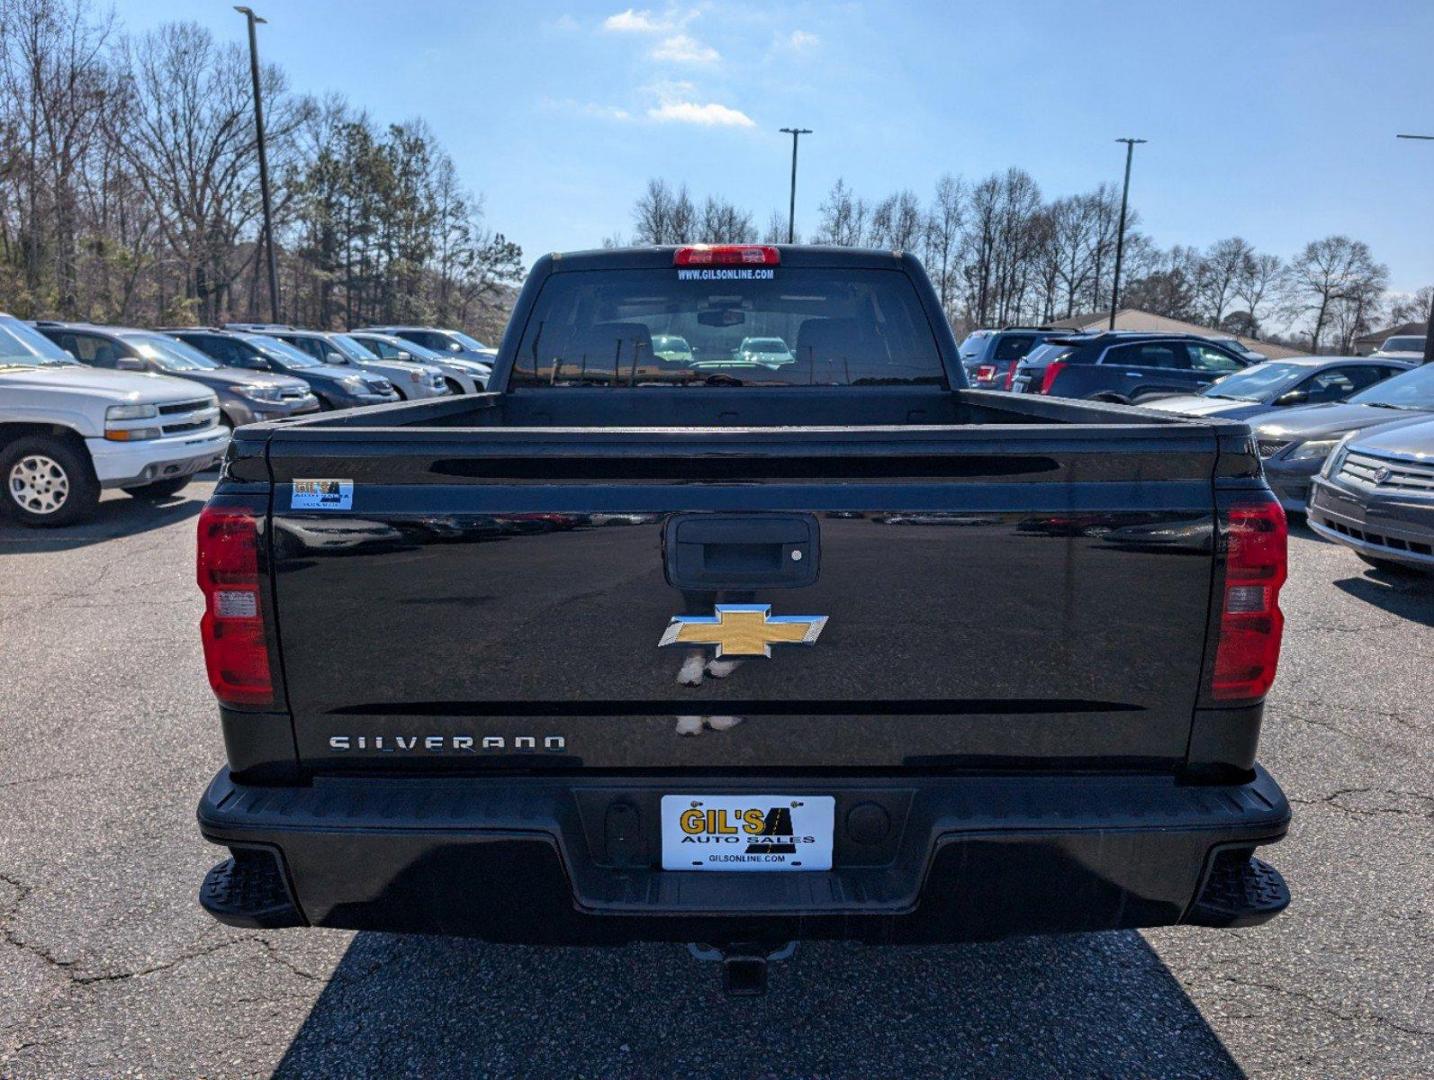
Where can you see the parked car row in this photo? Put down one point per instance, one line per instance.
(85, 407)
(1348, 439)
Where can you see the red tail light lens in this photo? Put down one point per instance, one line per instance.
(727, 255)
(1054, 368)
(233, 625)
(986, 372)
(1251, 624)
(1011, 375)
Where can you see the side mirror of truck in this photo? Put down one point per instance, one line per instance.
(1293, 397)
(335, 358)
(402, 355)
(129, 363)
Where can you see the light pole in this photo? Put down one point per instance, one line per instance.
(253, 19)
(1120, 236)
(1429, 325)
(795, 133)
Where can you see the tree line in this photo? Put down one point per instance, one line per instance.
(999, 253)
(129, 189)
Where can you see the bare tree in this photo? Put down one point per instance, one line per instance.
(1410, 308)
(190, 140)
(722, 222)
(979, 242)
(1328, 277)
(1070, 241)
(652, 216)
(1217, 280)
(53, 75)
(943, 236)
(896, 222)
(843, 217)
(776, 230)
(1261, 281)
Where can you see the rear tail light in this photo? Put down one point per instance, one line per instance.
(1251, 624)
(727, 255)
(235, 652)
(1011, 375)
(1054, 368)
(986, 372)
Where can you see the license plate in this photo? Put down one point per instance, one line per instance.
(747, 832)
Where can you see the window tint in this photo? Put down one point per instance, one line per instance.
(21, 345)
(381, 348)
(1408, 390)
(429, 340)
(310, 346)
(93, 350)
(844, 328)
(1208, 358)
(222, 349)
(1150, 354)
(1336, 384)
(1013, 346)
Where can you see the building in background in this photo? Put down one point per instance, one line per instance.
(1363, 346)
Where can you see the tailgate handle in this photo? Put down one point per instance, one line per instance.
(741, 551)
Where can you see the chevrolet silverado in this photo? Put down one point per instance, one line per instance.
(738, 652)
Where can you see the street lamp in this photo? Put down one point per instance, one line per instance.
(1429, 325)
(254, 19)
(795, 133)
(1120, 236)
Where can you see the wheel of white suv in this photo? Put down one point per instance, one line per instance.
(47, 481)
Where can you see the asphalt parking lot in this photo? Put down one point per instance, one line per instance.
(107, 737)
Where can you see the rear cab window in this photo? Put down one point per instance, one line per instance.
(817, 327)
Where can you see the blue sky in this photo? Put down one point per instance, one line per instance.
(1272, 120)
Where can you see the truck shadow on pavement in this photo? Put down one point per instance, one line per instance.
(116, 516)
(1082, 1005)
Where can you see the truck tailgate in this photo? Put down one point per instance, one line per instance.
(1009, 595)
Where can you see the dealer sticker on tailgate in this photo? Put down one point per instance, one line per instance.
(747, 832)
(322, 495)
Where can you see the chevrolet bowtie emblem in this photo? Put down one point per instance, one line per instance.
(743, 629)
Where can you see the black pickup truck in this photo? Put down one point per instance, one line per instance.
(737, 650)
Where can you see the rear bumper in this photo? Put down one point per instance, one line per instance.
(570, 860)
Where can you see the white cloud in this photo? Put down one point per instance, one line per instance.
(605, 112)
(684, 49)
(801, 40)
(643, 22)
(585, 108)
(708, 115)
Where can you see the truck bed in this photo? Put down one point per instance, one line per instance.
(1003, 579)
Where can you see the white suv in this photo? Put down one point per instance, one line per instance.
(67, 430)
